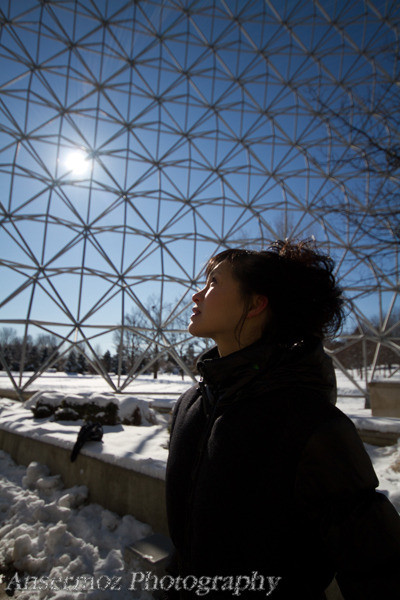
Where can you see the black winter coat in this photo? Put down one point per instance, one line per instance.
(266, 477)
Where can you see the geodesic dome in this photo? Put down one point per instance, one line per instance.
(138, 137)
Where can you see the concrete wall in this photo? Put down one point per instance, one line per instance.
(385, 398)
(378, 438)
(119, 489)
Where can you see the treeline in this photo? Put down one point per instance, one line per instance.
(134, 353)
(31, 354)
(136, 348)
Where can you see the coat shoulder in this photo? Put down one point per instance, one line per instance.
(184, 402)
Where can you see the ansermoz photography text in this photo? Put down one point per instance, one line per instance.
(148, 581)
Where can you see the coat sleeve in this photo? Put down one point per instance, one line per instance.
(360, 528)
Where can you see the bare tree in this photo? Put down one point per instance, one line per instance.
(128, 342)
(364, 148)
(7, 335)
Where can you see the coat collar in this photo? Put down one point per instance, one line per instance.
(301, 365)
(219, 371)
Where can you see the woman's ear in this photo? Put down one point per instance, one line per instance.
(258, 305)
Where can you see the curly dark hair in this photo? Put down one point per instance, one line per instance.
(297, 279)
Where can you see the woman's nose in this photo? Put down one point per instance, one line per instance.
(196, 296)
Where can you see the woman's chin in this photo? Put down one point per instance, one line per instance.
(195, 329)
(192, 328)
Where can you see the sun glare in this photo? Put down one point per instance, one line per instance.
(77, 162)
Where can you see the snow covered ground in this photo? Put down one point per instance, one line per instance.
(49, 531)
(166, 384)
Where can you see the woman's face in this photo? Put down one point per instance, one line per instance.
(218, 308)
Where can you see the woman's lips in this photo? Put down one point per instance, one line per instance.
(195, 311)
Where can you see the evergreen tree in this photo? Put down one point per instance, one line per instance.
(32, 362)
(72, 363)
(81, 363)
(107, 361)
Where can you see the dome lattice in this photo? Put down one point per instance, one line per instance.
(137, 138)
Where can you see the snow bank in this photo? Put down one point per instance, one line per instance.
(386, 462)
(107, 408)
(48, 531)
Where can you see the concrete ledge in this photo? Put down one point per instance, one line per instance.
(13, 395)
(385, 398)
(378, 438)
(118, 489)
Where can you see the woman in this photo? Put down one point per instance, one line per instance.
(269, 489)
